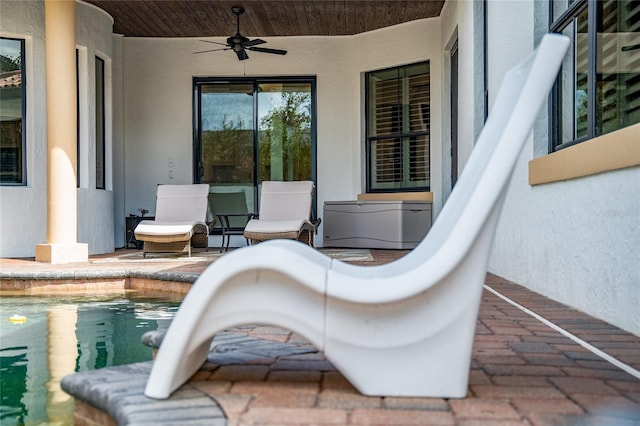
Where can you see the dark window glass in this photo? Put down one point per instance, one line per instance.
(100, 129)
(598, 88)
(617, 65)
(284, 131)
(12, 112)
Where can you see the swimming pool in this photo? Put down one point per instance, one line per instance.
(43, 339)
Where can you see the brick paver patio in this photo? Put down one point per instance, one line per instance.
(523, 372)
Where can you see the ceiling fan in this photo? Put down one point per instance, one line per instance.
(240, 44)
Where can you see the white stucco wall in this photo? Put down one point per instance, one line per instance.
(575, 241)
(23, 208)
(118, 142)
(94, 29)
(461, 21)
(158, 100)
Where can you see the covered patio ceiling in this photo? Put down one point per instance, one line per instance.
(263, 18)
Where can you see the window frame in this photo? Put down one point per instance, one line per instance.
(23, 83)
(368, 139)
(77, 118)
(557, 26)
(255, 82)
(101, 136)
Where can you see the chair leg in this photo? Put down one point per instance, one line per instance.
(222, 243)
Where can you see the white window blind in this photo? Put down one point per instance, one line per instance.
(398, 116)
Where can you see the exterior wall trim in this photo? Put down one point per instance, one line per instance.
(613, 151)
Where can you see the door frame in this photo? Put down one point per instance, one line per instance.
(198, 82)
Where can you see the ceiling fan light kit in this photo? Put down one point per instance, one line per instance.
(240, 44)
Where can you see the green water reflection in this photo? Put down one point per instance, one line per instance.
(62, 335)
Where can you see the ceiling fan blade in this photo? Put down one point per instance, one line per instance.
(254, 42)
(267, 50)
(214, 42)
(242, 55)
(212, 50)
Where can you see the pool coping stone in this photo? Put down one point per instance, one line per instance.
(119, 391)
(183, 277)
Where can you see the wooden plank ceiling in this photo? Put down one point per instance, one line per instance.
(202, 18)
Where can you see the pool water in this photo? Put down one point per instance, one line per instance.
(42, 339)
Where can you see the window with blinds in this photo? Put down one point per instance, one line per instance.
(397, 114)
(618, 65)
(598, 88)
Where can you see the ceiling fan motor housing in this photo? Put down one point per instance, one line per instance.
(236, 41)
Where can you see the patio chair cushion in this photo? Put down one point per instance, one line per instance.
(285, 200)
(151, 230)
(289, 229)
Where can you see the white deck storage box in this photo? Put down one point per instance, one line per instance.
(375, 224)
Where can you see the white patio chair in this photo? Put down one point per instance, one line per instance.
(179, 220)
(401, 329)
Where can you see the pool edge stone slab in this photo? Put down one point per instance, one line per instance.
(77, 281)
(119, 392)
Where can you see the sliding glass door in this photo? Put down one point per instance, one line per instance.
(248, 131)
(284, 131)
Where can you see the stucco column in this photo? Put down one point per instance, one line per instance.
(62, 205)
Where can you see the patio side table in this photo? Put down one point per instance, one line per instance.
(131, 222)
(228, 230)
